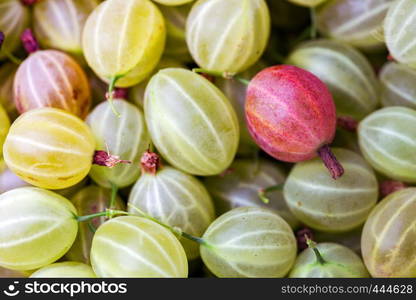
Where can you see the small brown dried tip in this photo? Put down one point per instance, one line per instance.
(105, 159)
(118, 93)
(347, 123)
(150, 162)
(388, 187)
(302, 235)
(1, 39)
(29, 41)
(331, 162)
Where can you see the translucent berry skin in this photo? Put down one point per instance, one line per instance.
(67, 269)
(332, 205)
(346, 72)
(176, 199)
(7, 73)
(130, 42)
(340, 262)
(249, 242)
(386, 138)
(49, 148)
(14, 18)
(227, 36)
(126, 137)
(89, 200)
(388, 237)
(50, 78)
(131, 246)
(241, 183)
(399, 30)
(37, 228)
(191, 122)
(290, 113)
(173, 2)
(58, 24)
(4, 127)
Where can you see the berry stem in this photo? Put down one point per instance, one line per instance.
(262, 193)
(319, 259)
(91, 227)
(150, 162)
(347, 123)
(108, 213)
(302, 236)
(110, 94)
(104, 159)
(114, 190)
(225, 75)
(29, 41)
(175, 230)
(330, 161)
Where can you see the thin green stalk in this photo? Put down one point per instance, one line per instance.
(263, 192)
(91, 227)
(311, 244)
(111, 88)
(225, 75)
(107, 213)
(12, 58)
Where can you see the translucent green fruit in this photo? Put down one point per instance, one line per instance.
(389, 236)
(68, 269)
(241, 184)
(398, 83)
(176, 199)
(346, 72)
(37, 228)
(124, 39)
(325, 204)
(136, 247)
(358, 23)
(126, 137)
(399, 31)
(89, 200)
(249, 242)
(338, 262)
(227, 36)
(387, 141)
(191, 122)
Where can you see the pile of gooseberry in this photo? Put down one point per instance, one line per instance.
(193, 138)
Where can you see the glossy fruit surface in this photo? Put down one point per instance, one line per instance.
(4, 127)
(37, 228)
(227, 36)
(345, 71)
(350, 239)
(340, 262)
(241, 183)
(388, 236)
(173, 2)
(308, 3)
(137, 247)
(67, 269)
(14, 18)
(177, 199)
(58, 23)
(49, 148)
(355, 22)
(126, 137)
(191, 122)
(386, 140)
(51, 78)
(399, 29)
(7, 73)
(89, 200)
(332, 205)
(398, 85)
(290, 113)
(130, 49)
(249, 242)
